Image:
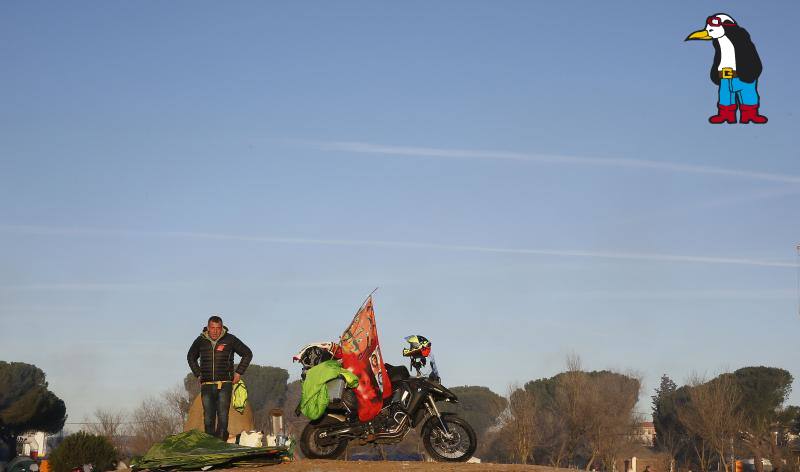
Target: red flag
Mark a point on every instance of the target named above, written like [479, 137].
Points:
[361, 355]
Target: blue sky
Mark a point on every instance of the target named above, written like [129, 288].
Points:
[523, 180]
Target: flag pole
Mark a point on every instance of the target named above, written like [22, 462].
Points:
[365, 300]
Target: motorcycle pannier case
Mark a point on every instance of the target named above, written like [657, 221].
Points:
[335, 389]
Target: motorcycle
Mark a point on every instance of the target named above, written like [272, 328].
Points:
[413, 405]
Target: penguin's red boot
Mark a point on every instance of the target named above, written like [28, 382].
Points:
[750, 113]
[727, 114]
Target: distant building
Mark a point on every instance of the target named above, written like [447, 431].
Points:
[32, 444]
[646, 433]
[794, 446]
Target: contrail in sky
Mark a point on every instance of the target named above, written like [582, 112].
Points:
[409, 151]
[65, 231]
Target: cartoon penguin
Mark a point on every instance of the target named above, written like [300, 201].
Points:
[736, 69]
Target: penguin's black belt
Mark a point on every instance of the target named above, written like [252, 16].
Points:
[727, 73]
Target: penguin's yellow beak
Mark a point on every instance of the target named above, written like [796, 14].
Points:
[701, 34]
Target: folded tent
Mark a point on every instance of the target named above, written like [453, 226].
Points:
[192, 450]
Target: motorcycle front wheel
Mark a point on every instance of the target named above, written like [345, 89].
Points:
[458, 444]
[315, 447]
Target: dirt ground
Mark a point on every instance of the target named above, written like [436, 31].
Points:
[306, 465]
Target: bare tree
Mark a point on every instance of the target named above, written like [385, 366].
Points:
[553, 433]
[610, 422]
[670, 442]
[521, 423]
[153, 420]
[178, 401]
[585, 417]
[574, 418]
[110, 424]
[570, 405]
[702, 451]
[712, 415]
[574, 363]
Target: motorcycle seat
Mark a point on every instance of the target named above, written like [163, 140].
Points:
[397, 373]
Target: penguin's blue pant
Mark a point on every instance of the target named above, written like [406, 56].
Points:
[734, 90]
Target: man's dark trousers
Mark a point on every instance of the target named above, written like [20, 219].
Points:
[216, 404]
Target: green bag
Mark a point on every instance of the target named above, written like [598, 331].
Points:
[314, 399]
[239, 400]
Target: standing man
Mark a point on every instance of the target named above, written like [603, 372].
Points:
[215, 348]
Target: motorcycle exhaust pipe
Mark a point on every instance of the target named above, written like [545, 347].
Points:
[348, 432]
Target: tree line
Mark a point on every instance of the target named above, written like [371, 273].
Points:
[707, 423]
[577, 418]
[574, 419]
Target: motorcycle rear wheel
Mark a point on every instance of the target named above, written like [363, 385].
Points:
[309, 440]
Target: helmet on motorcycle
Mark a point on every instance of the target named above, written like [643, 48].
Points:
[313, 354]
[419, 346]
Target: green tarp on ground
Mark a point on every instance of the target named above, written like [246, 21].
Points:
[195, 449]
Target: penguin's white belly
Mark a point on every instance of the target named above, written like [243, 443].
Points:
[727, 54]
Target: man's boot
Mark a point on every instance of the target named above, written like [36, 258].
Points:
[726, 114]
[750, 113]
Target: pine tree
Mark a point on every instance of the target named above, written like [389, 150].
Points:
[666, 388]
[665, 419]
